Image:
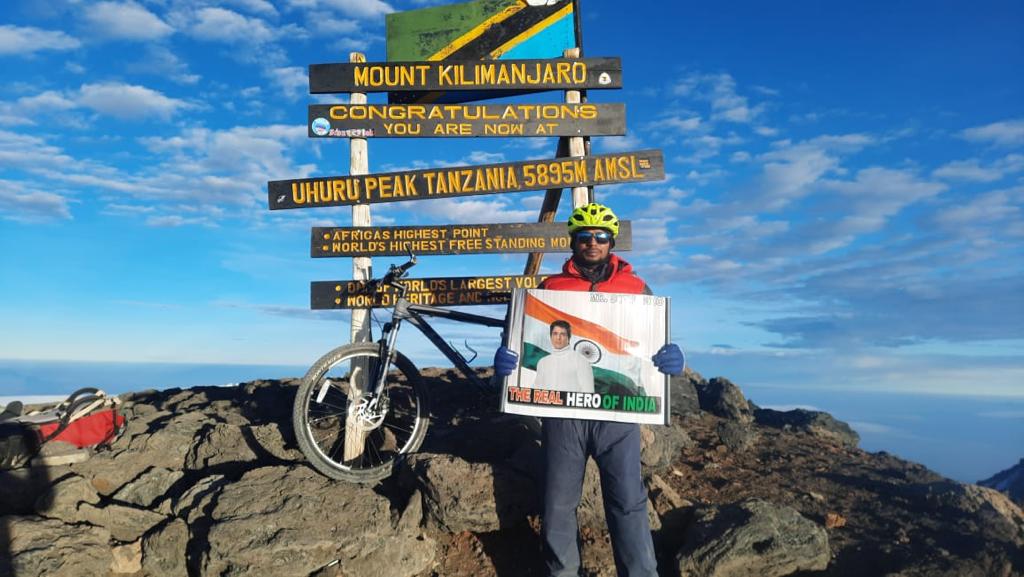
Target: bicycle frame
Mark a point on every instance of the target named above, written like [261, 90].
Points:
[414, 314]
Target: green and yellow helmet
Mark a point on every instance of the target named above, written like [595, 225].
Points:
[594, 215]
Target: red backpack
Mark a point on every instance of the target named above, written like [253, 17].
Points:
[87, 419]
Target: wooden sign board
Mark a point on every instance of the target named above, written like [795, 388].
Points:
[462, 120]
[478, 30]
[617, 168]
[534, 75]
[449, 239]
[446, 291]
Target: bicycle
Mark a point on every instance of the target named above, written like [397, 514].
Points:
[390, 414]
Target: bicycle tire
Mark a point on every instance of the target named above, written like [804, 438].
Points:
[319, 416]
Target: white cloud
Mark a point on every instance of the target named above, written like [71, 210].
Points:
[324, 23]
[25, 40]
[27, 152]
[972, 169]
[220, 25]
[365, 9]
[129, 101]
[160, 61]
[19, 204]
[255, 6]
[125, 21]
[175, 220]
[619, 143]
[292, 80]
[1003, 133]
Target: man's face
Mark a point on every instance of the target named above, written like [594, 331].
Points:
[587, 248]
[559, 338]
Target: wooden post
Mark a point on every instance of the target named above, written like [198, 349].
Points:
[567, 146]
[362, 269]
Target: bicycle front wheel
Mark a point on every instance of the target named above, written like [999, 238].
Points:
[351, 436]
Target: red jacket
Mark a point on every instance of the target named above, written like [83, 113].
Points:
[621, 280]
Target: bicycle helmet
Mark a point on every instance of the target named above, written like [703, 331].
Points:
[594, 215]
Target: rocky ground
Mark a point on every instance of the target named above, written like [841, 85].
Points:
[209, 481]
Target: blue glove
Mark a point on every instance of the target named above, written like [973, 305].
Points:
[670, 359]
[505, 361]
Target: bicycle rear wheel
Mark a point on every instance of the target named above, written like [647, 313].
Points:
[326, 399]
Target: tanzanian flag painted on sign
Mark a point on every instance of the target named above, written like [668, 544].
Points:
[479, 30]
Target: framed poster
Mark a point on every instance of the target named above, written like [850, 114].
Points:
[587, 355]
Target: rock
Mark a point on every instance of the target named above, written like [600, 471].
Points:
[164, 448]
[683, 388]
[220, 444]
[736, 435]
[291, 520]
[463, 496]
[270, 439]
[1002, 518]
[661, 445]
[1009, 481]
[752, 538]
[816, 423]
[21, 488]
[37, 546]
[126, 524]
[721, 397]
[164, 549]
[149, 487]
[834, 520]
[127, 558]
[61, 501]
[191, 504]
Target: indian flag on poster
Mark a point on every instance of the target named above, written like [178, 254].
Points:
[587, 355]
[616, 369]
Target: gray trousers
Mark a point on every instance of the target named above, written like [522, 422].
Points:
[616, 449]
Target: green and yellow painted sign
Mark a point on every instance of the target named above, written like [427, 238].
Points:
[616, 168]
[446, 291]
[448, 239]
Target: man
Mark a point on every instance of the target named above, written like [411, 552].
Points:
[614, 446]
[564, 369]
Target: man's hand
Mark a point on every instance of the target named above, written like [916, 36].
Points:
[669, 359]
[505, 361]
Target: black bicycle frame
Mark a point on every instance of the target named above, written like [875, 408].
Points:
[406, 311]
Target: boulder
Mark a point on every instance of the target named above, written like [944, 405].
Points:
[62, 499]
[149, 487]
[463, 496]
[294, 521]
[1009, 481]
[165, 448]
[38, 546]
[685, 401]
[737, 435]
[754, 538]
[721, 397]
[661, 445]
[164, 549]
[126, 524]
[220, 444]
[817, 423]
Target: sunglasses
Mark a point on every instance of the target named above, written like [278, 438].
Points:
[585, 237]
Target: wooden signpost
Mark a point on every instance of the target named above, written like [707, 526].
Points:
[615, 168]
[446, 291]
[344, 241]
[455, 54]
[464, 120]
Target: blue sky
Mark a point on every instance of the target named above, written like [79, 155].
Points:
[843, 208]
